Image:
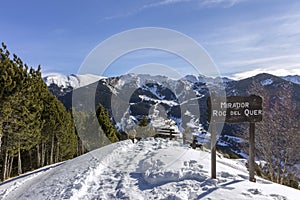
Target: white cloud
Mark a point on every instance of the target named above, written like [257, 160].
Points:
[203, 3]
[164, 3]
[224, 3]
[276, 72]
[269, 43]
[144, 7]
[265, 60]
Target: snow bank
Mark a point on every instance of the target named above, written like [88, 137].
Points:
[149, 169]
[157, 175]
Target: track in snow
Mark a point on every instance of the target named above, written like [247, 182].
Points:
[149, 169]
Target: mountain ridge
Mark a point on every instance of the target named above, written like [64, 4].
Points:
[183, 102]
[144, 89]
[76, 81]
[154, 96]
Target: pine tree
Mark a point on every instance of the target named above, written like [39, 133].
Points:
[104, 121]
[20, 124]
[66, 138]
[58, 140]
[33, 123]
[143, 121]
[9, 82]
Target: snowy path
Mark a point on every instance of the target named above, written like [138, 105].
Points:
[150, 169]
[121, 175]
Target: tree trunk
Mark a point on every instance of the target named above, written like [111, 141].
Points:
[30, 159]
[43, 155]
[278, 173]
[38, 156]
[52, 150]
[284, 169]
[77, 148]
[19, 162]
[271, 172]
[5, 166]
[80, 147]
[11, 160]
[57, 153]
[0, 139]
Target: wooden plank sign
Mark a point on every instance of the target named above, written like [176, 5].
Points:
[235, 109]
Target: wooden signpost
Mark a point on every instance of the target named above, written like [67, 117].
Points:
[235, 109]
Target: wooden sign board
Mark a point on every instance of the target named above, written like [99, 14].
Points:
[235, 109]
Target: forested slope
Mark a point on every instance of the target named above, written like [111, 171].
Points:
[35, 128]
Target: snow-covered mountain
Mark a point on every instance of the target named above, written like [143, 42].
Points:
[201, 78]
[73, 81]
[76, 81]
[148, 169]
[130, 97]
[292, 78]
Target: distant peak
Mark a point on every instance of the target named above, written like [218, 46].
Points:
[292, 78]
[73, 80]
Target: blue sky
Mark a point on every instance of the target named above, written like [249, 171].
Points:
[243, 37]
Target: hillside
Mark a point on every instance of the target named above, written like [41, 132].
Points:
[182, 101]
[149, 169]
[139, 90]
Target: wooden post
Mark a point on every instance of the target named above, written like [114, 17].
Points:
[213, 151]
[251, 161]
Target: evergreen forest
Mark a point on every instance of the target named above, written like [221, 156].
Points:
[35, 128]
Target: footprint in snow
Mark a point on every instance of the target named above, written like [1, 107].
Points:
[226, 175]
[255, 191]
[278, 197]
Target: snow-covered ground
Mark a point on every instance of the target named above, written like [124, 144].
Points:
[149, 169]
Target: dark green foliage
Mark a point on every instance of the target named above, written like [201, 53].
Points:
[123, 135]
[35, 128]
[108, 128]
[294, 184]
[143, 121]
[96, 131]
